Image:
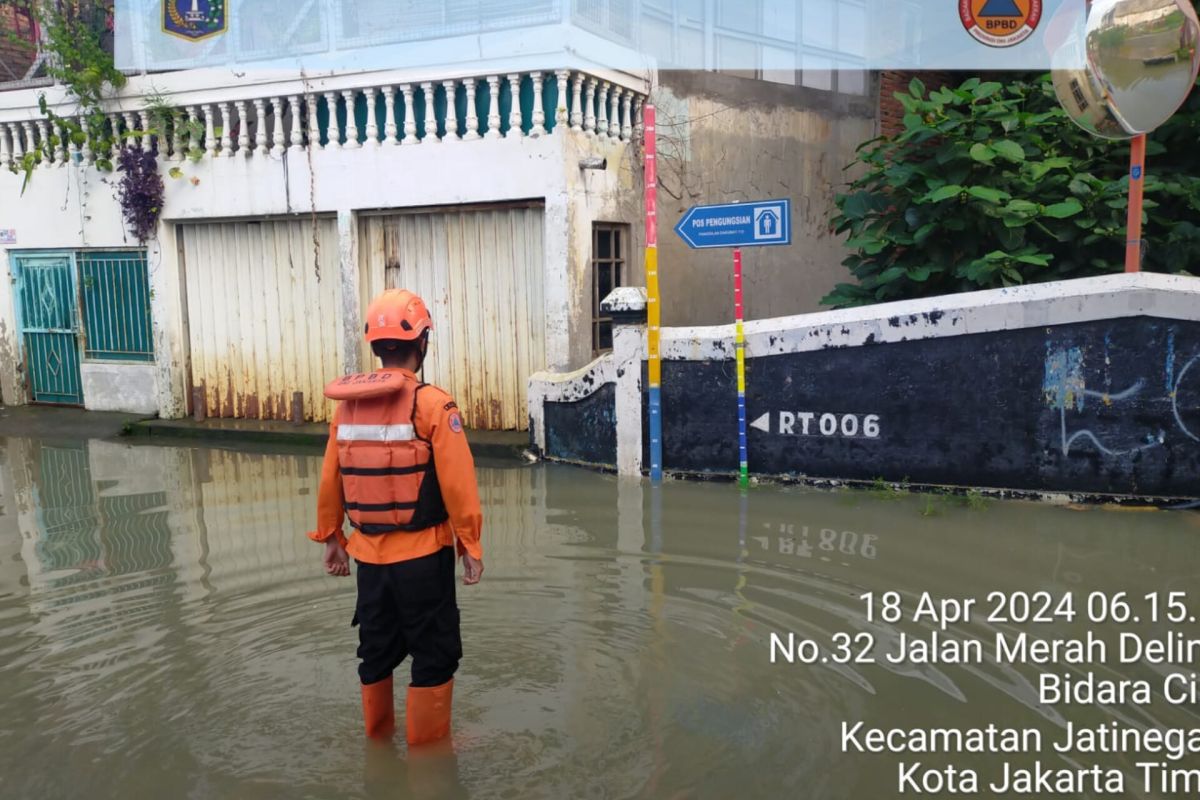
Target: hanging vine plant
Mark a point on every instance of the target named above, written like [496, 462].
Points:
[141, 191]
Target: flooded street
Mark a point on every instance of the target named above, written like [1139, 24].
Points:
[166, 630]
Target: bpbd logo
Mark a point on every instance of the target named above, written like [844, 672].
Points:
[194, 19]
[1000, 23]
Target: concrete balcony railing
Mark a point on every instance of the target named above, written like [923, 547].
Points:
[218, 114]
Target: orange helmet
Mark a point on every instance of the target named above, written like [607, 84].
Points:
[397, 314]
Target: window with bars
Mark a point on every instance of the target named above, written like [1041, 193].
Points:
[610, 244]
[115, 292]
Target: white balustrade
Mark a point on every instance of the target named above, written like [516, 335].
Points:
[626, 119]
[277, 123]
[537, 122]
[314, 121]
[226, 150]
[210, 132]
[333, 128]
[60, 147]
[560, 104]
[243, 138]
[430, 113]
[43, 144]
[589, 108]
[515, 121]
[274, 124]
[297, 136]
[389, 110]
[614, 115]
[576, 102]
[372, 122]
[472, 114]
[352, 142]
[410, 116]
[145, 137]
[493, 118]
[451, 88]
[73, 154]
[85, 152]
[602, 106]
[18, 147]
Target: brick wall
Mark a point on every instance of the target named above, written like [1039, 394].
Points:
[16, 44]
[891, 113]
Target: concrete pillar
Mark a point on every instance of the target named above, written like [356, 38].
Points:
[627, 306]
[348, 290]
[12, 386]
[557, 282]
[169, 331]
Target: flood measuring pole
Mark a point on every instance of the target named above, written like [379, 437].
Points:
[1137, 187]
[653, 306]
[739, 345]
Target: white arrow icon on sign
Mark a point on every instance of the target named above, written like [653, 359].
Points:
[763, 423]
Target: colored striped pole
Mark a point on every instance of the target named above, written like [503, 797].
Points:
[1137, 185]
[739, 343]
[653, 306]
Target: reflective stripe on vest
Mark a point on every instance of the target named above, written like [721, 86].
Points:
[376, 433]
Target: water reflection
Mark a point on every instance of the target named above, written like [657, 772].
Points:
[166, 630]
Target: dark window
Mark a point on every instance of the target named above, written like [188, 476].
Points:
[610, 251]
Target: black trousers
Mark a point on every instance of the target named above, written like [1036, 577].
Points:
[408, 609]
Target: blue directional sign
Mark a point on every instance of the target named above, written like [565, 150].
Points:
[763, 222]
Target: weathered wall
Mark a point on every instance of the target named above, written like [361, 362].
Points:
[119, 387]
[1089, 387]
[725, 139]
[614, 194]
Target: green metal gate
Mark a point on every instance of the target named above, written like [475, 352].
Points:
[50, 327]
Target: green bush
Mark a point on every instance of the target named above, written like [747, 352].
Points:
[990, 184]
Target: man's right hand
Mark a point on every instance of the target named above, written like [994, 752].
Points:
[336, 560]
[472, 569]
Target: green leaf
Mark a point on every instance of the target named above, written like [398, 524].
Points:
[175, 172]
[919, 274]
[916, 88]
[938, 195]
[1010, 150]
[981, 152]
[1067, 208]
[986, 90]
[1037, 260]
[988, 194]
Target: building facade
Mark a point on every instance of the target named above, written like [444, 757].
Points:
[507, 191]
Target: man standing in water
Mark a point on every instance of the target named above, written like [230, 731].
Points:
[398, 465]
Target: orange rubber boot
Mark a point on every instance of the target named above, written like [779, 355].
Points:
[428, 714]
[379, 712]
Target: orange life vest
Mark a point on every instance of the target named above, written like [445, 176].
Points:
[388, 478]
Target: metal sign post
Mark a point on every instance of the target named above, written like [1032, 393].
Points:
[1137, 186]
[737, 225]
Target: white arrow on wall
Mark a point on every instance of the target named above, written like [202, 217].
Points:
[763, 423]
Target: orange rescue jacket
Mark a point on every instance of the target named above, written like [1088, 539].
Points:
[398, 465]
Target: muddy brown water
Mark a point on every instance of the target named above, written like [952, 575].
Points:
[166, 631]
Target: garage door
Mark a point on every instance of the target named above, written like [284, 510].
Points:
[480, 271]
[263, 315]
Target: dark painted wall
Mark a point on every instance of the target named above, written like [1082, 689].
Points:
[584, 430]
[1105, 407]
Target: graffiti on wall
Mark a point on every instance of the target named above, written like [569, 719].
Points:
[1065, 389]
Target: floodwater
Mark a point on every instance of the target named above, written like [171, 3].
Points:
[167, 631]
